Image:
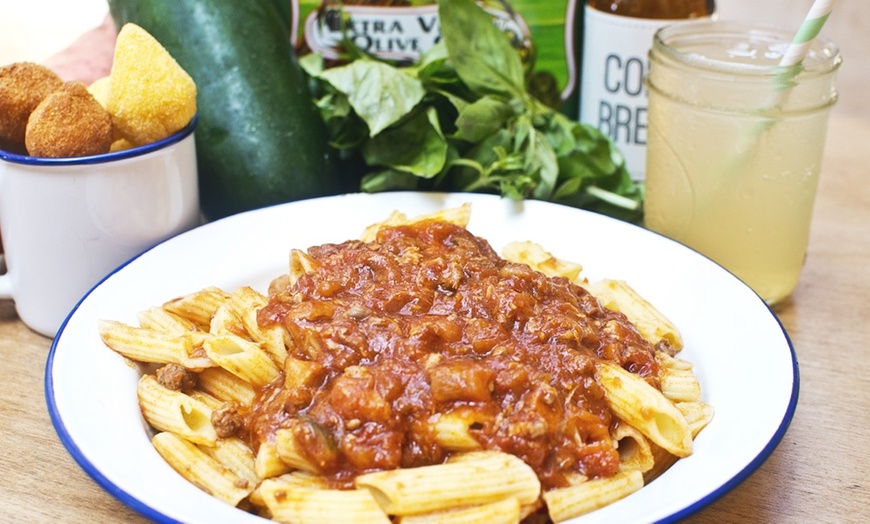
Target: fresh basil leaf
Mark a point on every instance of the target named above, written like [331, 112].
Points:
[567, 188]
[417, 146]
[481, 53]
[590, 198]
[522, 128]
[537, 174]
[348, 133]
[595, 146]
[462, 120]
[542, 162]
[472, 172]
[558, 130]
[334, 105]
[614, 194]
[482, 118]
[312, 64]
[441, 77]
[433, 62]
[379, 93]
[459, 104]
[516, 188]
[346, 130]
[575, 166]
[388, 180]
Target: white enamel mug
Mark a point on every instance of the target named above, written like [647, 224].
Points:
[68, 222]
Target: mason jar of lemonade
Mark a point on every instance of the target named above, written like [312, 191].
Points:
[735, 146]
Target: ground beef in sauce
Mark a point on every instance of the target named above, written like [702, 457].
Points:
[227, 420]
[428, 320]
[175, 377]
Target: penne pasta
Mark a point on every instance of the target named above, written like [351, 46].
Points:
[678, 380]
[198, 307]
[302, 479]
[698, 415]
[637, 403]
[175, 412]
[291, 452]
[537, 258]
[396, 218]
[236, 456]
[650, 322]
[267, 463]
[452, 431]
[159, 319]
[213, 403]
[634, 449]
[292, 480]
[244, 304]
[460, 216]
[148, 345]
[479, 479]
[505, 511]
[565, 503]
[201, 469]
[242, 358]
[224, 322]
[295, 503]
[680, 385]
[300, 264]
[668, 362]
[226, 386]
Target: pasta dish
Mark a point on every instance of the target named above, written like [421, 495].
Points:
[414, 375]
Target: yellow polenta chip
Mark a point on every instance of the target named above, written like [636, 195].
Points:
[151, 96]
[99, 89]
[120, 145]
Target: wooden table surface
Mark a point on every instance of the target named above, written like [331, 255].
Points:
[818, 473]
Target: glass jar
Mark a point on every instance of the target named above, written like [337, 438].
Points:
[735, 146]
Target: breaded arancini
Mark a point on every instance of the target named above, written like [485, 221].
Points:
[69, 122]
[23, 85]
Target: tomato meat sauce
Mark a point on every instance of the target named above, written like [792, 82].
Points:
[428, 322]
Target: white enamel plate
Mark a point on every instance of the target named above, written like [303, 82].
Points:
[743, 357]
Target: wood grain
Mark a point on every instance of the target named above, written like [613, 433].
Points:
[819, 472]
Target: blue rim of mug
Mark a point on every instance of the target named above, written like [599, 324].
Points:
[106, 157]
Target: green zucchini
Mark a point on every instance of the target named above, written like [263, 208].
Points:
[260, 139]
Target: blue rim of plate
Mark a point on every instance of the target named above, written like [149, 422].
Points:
[155, 515]
[69, 443]
[104, 158]
[765, 453]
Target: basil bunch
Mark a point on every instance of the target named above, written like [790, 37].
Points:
[462, 119]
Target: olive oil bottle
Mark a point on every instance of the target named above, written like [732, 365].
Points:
[547, 34]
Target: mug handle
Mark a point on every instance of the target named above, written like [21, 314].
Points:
[5, 280]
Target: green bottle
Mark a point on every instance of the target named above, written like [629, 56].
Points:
[547, 32]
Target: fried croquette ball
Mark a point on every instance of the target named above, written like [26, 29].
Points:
[151, 96]
[67, 123]
[23, 85]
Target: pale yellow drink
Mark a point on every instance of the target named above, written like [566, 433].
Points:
[733, 159]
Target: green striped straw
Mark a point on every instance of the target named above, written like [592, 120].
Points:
[808, 31]
[789, 65]
[799, 47]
